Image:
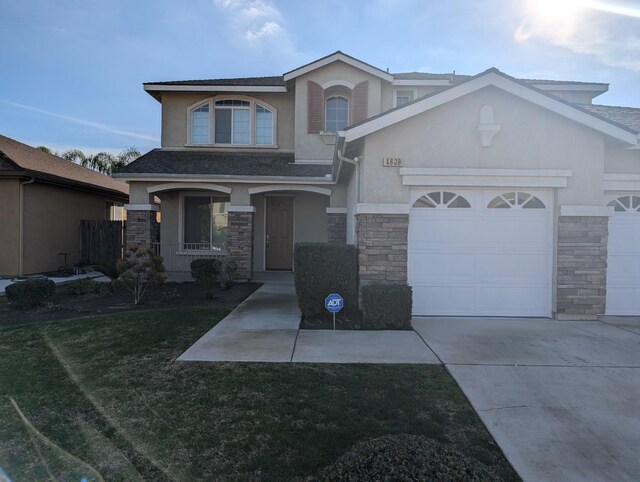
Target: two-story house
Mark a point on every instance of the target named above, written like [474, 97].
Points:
[489, 195]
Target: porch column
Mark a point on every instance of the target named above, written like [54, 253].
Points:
[582, 262]
[142, 227]
[240, 239]
[337, 225]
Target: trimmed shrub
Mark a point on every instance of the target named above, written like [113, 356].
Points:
[387, 306]
[322, 269]
[87, 286]
[206, 272]
[405, 457]
[31, 292]
[227, 271]
[140, 269]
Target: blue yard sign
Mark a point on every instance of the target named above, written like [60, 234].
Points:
[334, 303]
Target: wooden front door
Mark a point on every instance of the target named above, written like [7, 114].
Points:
[279, 233]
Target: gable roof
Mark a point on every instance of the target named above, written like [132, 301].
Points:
[626, 116]
[493, 77]
[275, 80]
[334, 57]
[19, 158]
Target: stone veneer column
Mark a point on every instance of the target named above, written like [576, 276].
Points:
[240, 241]
[582, 266]
[142, 227]
[382, 248]
[337, 228]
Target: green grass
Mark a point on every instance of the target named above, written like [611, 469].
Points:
[106, 391]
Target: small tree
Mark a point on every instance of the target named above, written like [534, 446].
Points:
[140, 269]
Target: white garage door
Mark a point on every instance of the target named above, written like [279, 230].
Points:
[480, 252]
[623, 263]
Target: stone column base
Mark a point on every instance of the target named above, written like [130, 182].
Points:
[582, 267]
[142, 228]
[240, 243]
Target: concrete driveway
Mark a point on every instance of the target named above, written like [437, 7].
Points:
[561, 398]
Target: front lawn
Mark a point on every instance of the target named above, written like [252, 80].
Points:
[107, 394]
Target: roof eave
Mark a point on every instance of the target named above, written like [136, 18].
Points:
[150, 177]
[342, 57]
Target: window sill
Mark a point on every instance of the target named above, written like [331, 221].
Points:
[191, 252]
[329, 138]
[235, 146]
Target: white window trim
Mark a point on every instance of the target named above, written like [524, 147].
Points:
[211, 101]
[181, 219]
[395, 95]
[334, 96]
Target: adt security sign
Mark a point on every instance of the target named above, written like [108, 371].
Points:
[334, 302]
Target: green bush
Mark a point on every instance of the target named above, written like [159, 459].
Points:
[86, 286]
[322, 269]
[31, 292]
[405, 457]
[140, 269]
[387, 306]
[206, 273]
[227, 271]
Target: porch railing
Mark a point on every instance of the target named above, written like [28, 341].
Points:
[178, 256]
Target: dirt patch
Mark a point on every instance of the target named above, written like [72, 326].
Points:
[169, 295]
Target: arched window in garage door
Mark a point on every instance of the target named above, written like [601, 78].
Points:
[441, 199]
[626, 204]
[516, 199]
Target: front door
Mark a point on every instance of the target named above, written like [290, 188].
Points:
[279, 235]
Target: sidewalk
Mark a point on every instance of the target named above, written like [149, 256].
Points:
[265, 328]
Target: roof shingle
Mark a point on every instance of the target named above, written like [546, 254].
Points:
[627, 116]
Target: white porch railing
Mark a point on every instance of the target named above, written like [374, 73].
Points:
[178, 256]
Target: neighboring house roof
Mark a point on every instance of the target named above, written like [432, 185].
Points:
[277, 80]
[627, 116]
[334, 57]
[505, 82]
[17, 157]
[215, 164]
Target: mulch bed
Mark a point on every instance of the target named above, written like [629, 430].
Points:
[169, 295]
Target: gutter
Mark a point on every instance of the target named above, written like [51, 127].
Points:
[150, 177]
[21, 226]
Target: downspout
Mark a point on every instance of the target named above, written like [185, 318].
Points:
[356, 163]
[21, 227]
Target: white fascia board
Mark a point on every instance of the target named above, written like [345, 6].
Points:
[409, 82]
[142, 207]
[622, 182]
[382, 208]
[342, 58]
[571, 87]
[318, 162]
[484, 177]
[503, 83]
[214, 88]
[134, 177]
[586, 211]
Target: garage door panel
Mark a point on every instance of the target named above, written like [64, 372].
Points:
[623, 264]
[481, 261]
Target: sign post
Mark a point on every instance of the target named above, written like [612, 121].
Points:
[334, 303]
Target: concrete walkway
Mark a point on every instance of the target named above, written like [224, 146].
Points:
[561, 398]
[265, 328]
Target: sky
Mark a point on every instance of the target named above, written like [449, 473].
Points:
[71, 71]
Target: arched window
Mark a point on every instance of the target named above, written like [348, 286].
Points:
[336, 114]
[442, 199]
[516, 200]
[200, 128]
[626, 204]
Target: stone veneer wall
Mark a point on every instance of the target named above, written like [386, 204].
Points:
[337, 226]
[240, 243]
[382, 247]
[142, 228]
[582, 266]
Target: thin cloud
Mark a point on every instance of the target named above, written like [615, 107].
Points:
[95, 125]
[254, 20]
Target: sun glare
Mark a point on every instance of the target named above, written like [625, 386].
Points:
[556, 9]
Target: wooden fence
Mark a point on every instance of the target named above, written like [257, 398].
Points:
[101, 242]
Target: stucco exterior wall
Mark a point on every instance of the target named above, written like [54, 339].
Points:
[175, 115]
[530, 137]
[52, 224]
[622, 161]
[310, 146]
[10, 231]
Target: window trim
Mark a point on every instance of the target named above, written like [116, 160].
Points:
[409, 89]
[326, 100]
[253, 102]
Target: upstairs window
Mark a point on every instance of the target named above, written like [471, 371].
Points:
[403, 97]
[232, 121]
[200, 125]
[336, 114]
[264, 126]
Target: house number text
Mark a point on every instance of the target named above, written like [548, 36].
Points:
[392, 162]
